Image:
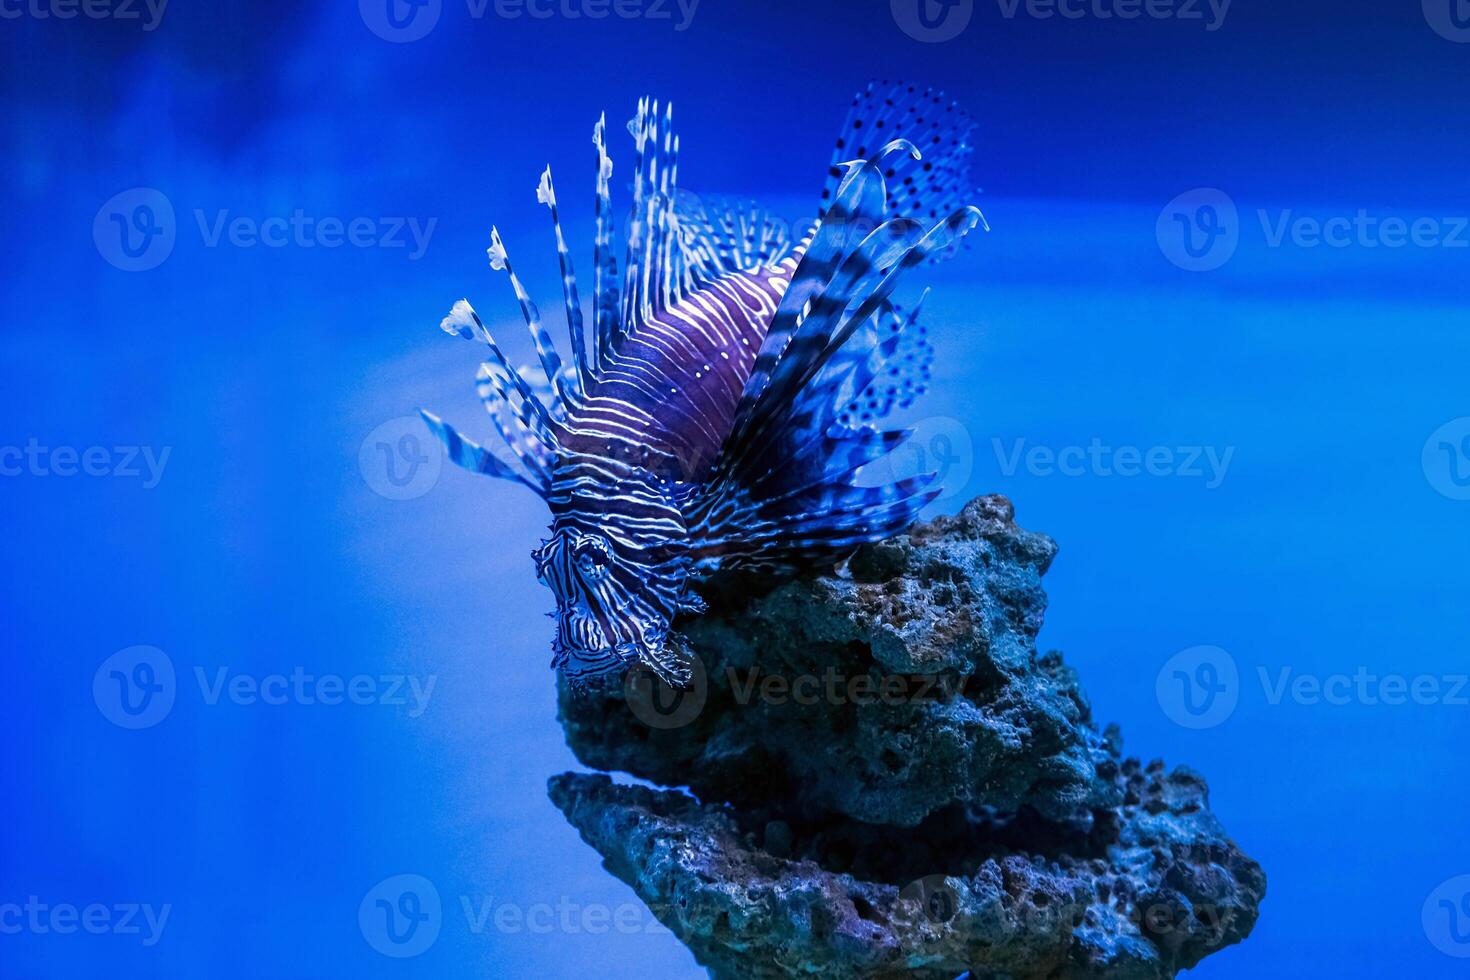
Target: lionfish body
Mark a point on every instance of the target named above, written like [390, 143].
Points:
[720, 410]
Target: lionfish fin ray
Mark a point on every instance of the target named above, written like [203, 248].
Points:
[469, 455]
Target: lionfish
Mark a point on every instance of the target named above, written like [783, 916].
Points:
[722, 411]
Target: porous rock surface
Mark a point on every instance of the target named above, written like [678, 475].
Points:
[885, 779]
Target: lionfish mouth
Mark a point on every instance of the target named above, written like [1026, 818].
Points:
[584, 646]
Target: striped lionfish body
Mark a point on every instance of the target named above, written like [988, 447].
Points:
[722, 407]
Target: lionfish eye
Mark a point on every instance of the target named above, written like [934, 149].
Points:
[593, 555]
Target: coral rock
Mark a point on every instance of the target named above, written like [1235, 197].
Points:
[889, 781]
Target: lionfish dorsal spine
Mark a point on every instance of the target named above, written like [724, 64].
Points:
[576, 330]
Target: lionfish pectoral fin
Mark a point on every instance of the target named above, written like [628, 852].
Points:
[693, 603]
[469, 455]
[942, 131]
[840, 354]
[672, 663]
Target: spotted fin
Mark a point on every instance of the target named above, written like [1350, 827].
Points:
[788, 488]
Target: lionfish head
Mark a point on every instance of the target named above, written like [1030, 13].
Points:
[614, 604]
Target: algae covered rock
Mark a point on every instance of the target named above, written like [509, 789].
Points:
[885, 779]
[905, 683]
